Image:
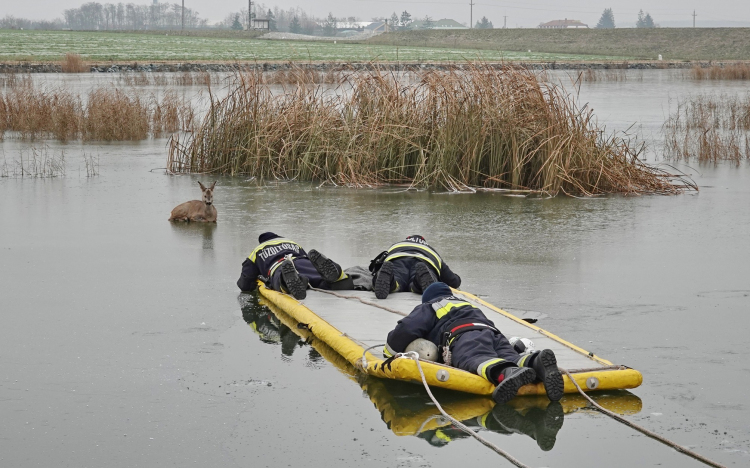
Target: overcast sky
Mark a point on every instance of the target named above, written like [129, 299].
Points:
[528, 13]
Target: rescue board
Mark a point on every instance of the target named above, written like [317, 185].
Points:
[350, 327]
[408, 411]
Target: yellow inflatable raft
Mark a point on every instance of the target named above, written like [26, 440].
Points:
[349, 327]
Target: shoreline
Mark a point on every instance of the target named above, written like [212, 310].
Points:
[196, 66]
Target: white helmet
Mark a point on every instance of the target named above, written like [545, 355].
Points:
[426, 349]
[522, 345]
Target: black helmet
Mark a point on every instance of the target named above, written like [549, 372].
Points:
[267, 236]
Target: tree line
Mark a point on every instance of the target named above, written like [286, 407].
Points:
[607, 20]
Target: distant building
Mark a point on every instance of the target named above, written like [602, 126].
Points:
[564, 24]
[355, 25]
[376, 27]
[262, 24]
[444, 23]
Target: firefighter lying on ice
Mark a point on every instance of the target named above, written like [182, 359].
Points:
[284, 266]
[411, 265]
[474, 345]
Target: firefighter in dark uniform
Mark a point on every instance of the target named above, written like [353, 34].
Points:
[474, 344]
[285, 266]
[411, 265]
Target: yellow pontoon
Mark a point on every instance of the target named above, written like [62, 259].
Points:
[350, 327]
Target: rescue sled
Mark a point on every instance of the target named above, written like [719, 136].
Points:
[408, 411]
[350, 327]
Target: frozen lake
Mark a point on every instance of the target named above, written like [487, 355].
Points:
[124, 341]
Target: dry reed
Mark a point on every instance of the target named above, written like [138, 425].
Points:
[104, 114]
[479, 127]
[37, 163]
[73, 63]
[301, 76]
[200, 78]
[13, 79]
[608, 74]
[32, 112]
[709, 128]
[91, 165]
[113, 115]
[735, 71]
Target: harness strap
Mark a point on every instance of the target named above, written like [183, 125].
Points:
[463, 328]
[455, 332]
[280, 261]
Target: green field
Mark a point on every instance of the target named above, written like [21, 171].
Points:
[40, 46]
[641, 44]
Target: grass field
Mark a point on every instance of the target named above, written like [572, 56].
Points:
[39, 46]
[671, 43]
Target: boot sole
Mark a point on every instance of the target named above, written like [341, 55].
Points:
[554, 417]
[327, 268]
[382, 286]
[553, 380]
[551, 425]
[423, 275]
[296, 286]
[508, 388]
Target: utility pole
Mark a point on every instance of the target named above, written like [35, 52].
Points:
[183, 14]
[471, 14]
[694, 15]
[249, 14]
[505, 22]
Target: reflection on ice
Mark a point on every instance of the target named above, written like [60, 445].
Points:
[407, 410]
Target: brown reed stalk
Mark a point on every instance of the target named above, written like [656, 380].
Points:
[171, 114]
[73, 63]
[709, 128]
[302, 76]
[732, 71]
[113, 115]
[11, 79]
[477, 127]
[39, 113]
[608, 74]
[108, 114]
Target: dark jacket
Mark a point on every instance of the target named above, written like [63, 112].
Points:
[430, 320]
[264, 260]
[417, 247]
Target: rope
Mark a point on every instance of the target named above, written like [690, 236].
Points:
[363, 362]
[393, 311]
[413, 355]
[643, 430]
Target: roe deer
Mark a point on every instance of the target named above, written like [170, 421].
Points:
[196, 210]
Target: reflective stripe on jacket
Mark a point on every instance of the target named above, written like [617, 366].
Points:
[430, 320]
[264, 257]
[411, 248]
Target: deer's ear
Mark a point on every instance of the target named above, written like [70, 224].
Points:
[202, 187]
[213, 185]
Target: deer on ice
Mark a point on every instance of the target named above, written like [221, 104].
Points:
[196, 210]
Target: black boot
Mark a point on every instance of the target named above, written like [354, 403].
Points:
[506, 420]
[541, 425]
[329, 270]
[295, 284]
[513, 378]
[547, 425]
[423, 276]
[383, 281]
[544, 364]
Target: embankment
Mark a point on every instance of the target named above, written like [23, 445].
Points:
[671, 43]
[56, 67]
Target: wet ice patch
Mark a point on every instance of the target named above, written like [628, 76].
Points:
[252, 383]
